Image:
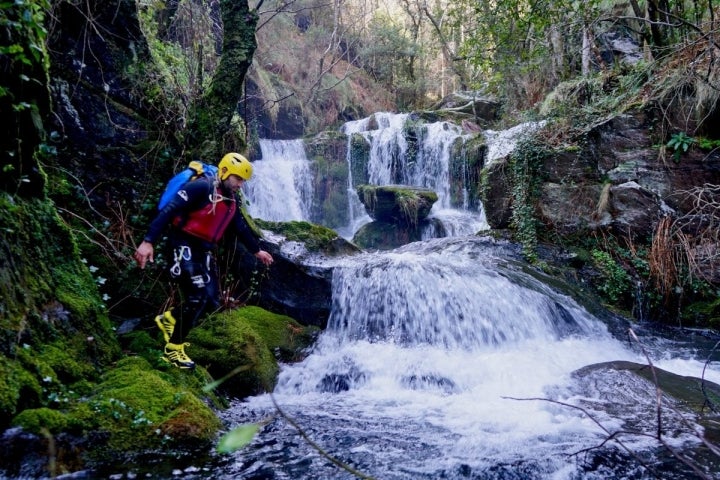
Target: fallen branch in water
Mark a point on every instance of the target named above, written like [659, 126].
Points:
[614, 436]
[317, 447]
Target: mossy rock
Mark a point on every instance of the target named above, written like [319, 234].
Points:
[241, 347]
[36, 420]
[316, 238]
[19, 389]
[284, 336]
[54, 328]
[135, 409]
[466, 162]
[231, 351]
[360, 153]
[400, 204]
[139, 408]
[67, 366]
[381, 235]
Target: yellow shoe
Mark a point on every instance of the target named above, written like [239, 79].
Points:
[166, 324]
[175, 355]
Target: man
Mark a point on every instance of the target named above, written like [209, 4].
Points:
[199, 214]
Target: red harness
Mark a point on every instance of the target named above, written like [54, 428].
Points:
[210, 222]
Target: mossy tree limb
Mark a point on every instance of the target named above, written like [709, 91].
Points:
[215, 129]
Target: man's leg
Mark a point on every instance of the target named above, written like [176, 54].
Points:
[200, 290]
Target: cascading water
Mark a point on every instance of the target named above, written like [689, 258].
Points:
[357, 216]
[390, 163]
[281, 187]
[432, 366]
[444, 358]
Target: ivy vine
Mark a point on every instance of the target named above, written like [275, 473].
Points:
[526, 179]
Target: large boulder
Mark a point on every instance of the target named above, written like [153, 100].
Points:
[398, 204]
[299, 282]
[243, 347]
[618, 179]
[496, 194]
[399, 214]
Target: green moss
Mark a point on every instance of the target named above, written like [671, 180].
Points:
[226, 345]
[19, 389]
[38, 419]
[281, 334]
[315, 237]
[140, 408]
[141, 343]
[67, 366]
[48, 292]
[397, 203]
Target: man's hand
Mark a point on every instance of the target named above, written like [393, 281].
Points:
[264, 257]
[144, 253]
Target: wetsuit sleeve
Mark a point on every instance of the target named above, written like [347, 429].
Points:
[244, 233]
[188, 198]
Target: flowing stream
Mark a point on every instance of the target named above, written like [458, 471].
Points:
[447, 359]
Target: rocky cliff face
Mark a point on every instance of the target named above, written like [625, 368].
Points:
[619, 179]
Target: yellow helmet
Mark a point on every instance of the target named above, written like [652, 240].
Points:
[235, 164]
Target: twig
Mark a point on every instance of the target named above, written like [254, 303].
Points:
[611, 435]
[658, 391]
[317, 447]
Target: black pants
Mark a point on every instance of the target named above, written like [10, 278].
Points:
[195, 272]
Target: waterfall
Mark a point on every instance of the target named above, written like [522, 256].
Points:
[447, 298]
[401, 150]
[391, 162]
[421, 373]
[357, 216]
[281, 188]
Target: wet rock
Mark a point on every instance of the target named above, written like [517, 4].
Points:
[628, 391]
[496, 195]
[299, 282]
[340, 382]
[430, 381]
[399, 204]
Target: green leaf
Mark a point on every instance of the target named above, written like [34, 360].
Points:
[237, 438]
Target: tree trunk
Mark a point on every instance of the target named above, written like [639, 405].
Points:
[448, 54]
[586, 49]
[216, 127]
